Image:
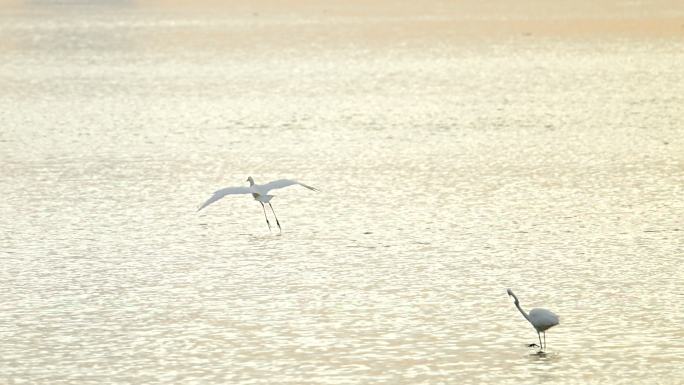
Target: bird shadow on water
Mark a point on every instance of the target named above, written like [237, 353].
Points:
[540, 356]
[543, 366]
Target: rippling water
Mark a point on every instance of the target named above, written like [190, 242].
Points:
[450, 169]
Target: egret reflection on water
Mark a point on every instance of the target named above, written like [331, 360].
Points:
[259, 192]
[541, 320]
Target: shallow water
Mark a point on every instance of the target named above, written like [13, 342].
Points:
[450, 170]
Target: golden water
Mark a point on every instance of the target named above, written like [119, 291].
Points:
[452, 167]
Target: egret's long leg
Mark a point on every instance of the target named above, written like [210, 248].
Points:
[276, 217]
[544, 340]
[541, 347]
[267, 222]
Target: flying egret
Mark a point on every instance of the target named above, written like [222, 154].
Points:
[258, 191]
[541, 320]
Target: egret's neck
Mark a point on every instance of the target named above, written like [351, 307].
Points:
[251, 183]
[517, 304]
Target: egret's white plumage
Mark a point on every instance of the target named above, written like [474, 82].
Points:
[541, 319]
[218, 194]
[259, 193]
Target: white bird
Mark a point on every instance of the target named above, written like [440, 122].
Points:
[541, 320]
[258, 191]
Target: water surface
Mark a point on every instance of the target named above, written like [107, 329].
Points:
[451, 167]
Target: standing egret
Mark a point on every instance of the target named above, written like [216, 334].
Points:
[541, 320]
[258, 191]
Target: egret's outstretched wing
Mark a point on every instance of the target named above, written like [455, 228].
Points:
[280, 183]
[223, 192]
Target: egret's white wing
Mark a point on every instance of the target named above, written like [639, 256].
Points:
[543, 319]
[223, 192]
[280, 183]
